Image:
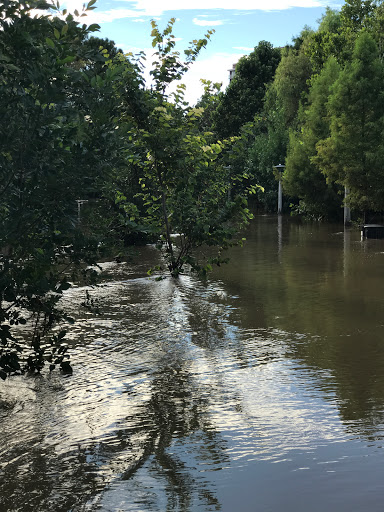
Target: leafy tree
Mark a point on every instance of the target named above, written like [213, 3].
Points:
[270, 130]
[262, 144]
[209, 102]
[291, 83]
[268, 150]
[44, 140]
[377, 27]
[244, 96]
[186, 184]
[338, 31]
[116, 104]
[352, 155]
[357, 14]
[303, 177]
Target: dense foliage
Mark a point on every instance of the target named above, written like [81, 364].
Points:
[42, 133]
[245, 94]
[78, 125]
[316, 106]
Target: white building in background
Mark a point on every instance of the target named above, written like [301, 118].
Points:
[232, 72]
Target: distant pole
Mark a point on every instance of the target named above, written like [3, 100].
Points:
[279, 234]
[280, 199]
[280, 168]
[347, 248]
[78, 201]
[347, 210]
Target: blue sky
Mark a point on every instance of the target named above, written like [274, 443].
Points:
[239, 26]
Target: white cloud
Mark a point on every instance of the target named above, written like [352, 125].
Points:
[72, 5]
[98, 16]
[206, 23]
[153, 8]
[127, 48]
[156, 8]
[214, 68]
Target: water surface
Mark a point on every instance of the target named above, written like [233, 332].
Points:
[261, 389]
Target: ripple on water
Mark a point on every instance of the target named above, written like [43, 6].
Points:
[170, 397]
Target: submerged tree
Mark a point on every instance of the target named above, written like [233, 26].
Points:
[279, 114]
[44, 140]
[187, 186]
[352, 155]
[76, 119]
[303, 177]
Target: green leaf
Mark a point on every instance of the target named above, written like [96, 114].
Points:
[57, 33]
[94, 27]
[49, 42]
[70, 58]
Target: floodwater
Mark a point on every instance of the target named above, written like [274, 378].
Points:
[261, 389]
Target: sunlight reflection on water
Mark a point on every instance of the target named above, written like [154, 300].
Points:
[187, 395]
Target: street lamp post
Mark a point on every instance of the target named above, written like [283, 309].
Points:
[280, 168]
[347, 210]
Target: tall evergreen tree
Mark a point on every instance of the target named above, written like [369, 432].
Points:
[338, 31]
[303, 177]
[353, 154]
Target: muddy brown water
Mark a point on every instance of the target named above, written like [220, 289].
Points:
[261, 389]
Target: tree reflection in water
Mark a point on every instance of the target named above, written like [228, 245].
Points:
[179, 384]
[65, 461]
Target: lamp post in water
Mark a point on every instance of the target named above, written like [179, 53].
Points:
[347, 210]
[280, 168]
